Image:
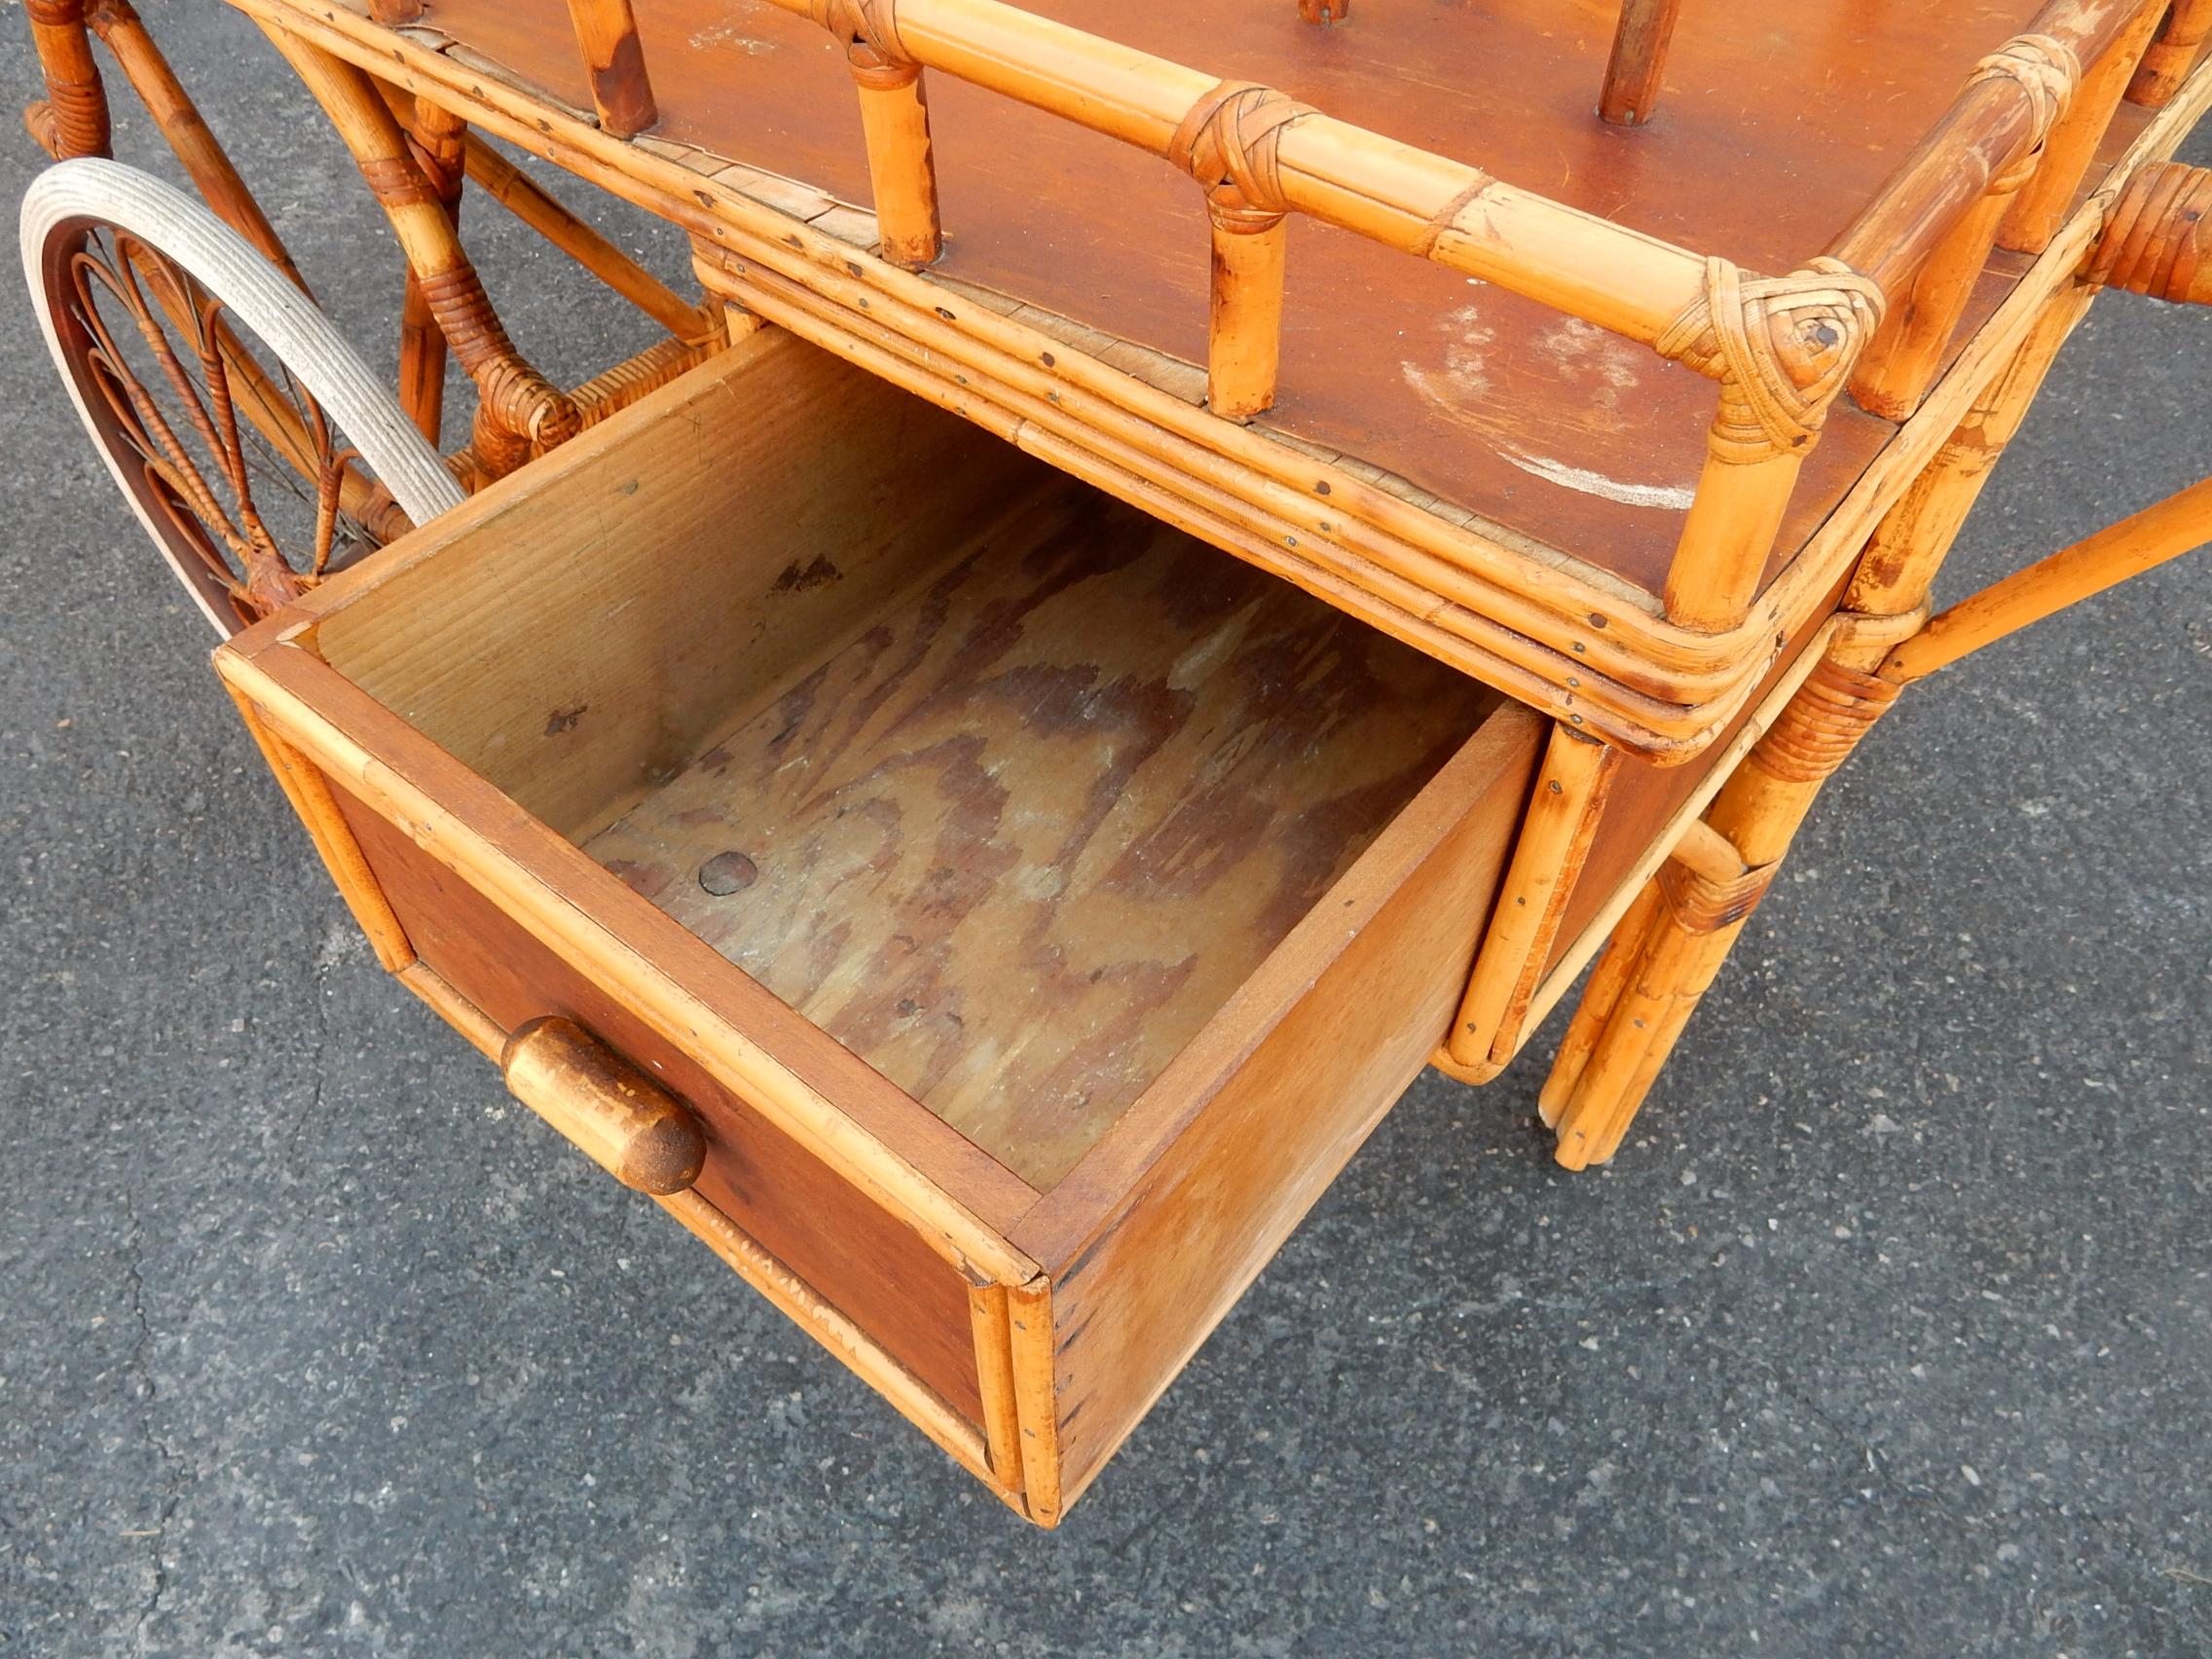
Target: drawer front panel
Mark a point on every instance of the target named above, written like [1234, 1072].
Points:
[862, 1261]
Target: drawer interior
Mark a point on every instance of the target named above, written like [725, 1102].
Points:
[1004, 785]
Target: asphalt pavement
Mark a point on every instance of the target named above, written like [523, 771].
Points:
[1889, 1333]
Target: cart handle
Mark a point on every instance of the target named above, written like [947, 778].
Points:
[2157, 240]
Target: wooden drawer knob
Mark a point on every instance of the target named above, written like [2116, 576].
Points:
[2158, 237]
[628, 1125]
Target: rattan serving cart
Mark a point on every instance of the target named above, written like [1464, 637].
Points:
[978, 768]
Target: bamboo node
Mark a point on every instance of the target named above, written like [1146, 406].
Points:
[1820, 725]
[869, 30]
[1228, 143]
[1781, 346]
[1703, 904]
[1447, 217]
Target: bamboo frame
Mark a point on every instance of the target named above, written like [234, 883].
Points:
[1674, 940]
[502, 182]
[1528, 624]
[518, 411]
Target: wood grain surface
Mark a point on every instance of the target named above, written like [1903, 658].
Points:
[1033, 825]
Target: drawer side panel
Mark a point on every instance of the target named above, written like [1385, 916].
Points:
[1132, 1300]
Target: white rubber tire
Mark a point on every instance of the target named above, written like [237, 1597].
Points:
[71, 197]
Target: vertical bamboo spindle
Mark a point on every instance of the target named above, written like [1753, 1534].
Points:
[2168, 60]
[1639, 55]
[1782, 348]
[73, 119]
[895, 119]
[1895, 372]
[607, 33]
[1227, 142]
[2041, 204]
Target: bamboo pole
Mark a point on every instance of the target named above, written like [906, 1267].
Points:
[895, 121]
[72, 121]
[519, 194]
[607, 34]
[1640, 54]
[2180, 523]
[2168, 60]
[1244, 315]
[187, 134]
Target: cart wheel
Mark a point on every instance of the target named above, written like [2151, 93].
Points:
[256, 448]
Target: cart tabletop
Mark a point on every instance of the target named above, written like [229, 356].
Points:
[1780, 125]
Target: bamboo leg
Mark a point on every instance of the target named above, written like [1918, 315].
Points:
[1696, 906]
[1640, 54]
[895, 119]
[1694, 923]
[1609, 979]
[1660, 961]
[72, 121]
[1556, 833]
[2168, 60]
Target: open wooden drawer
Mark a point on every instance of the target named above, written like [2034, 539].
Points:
[1033, 907]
